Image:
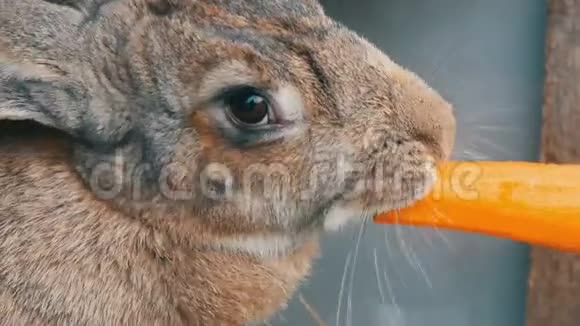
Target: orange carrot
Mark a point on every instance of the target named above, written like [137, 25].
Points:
[527, 202]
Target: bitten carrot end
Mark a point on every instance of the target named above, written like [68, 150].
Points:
[528, 202]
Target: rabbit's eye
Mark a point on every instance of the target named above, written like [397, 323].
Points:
[248, 107]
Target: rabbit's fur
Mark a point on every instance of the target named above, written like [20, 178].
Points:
[127, 197]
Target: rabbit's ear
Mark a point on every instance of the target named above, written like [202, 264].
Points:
[32, 92]
[49, 96]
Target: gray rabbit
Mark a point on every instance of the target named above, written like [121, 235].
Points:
[172, 162]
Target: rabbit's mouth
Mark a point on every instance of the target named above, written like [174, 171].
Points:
[370, 203]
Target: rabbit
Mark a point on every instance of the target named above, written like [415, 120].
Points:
[175, 162]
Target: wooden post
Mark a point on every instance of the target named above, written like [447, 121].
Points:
[554, 280]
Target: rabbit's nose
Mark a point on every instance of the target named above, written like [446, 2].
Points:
[434, 126]
[427, 118]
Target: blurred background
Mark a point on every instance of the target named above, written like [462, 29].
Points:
[487, 58]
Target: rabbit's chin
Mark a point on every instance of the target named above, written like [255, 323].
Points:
[342, 214]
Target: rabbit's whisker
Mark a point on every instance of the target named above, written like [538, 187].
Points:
[377, 273]
[390, 290]
[347, 263]
[352, 273]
